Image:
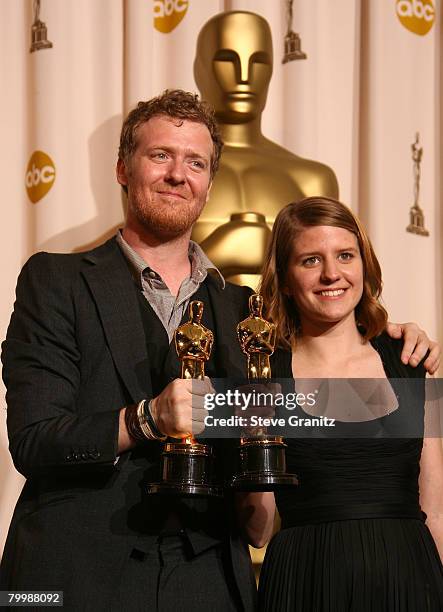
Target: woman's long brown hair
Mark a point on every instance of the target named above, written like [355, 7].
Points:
[280, 308]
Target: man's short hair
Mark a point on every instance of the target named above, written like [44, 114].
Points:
[177, 104]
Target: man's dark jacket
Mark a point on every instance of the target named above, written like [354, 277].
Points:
[75, 354]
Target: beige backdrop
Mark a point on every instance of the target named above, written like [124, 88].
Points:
[371, 81]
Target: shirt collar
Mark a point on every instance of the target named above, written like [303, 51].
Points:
[201, 265]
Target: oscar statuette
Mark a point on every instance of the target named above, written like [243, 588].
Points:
[187, 464]
[262, 456]
[416, 215]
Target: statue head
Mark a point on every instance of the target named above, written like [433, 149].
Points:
[233, 65]
[196, 311]
[256, 305]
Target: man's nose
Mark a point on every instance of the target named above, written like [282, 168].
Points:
[175, 172]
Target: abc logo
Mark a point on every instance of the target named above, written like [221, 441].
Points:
[168, 14]
[40, 176]
[416, 15]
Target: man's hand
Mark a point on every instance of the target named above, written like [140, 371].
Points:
[179, 409]
[416, 345]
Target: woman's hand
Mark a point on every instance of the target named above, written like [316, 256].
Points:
[255, 515]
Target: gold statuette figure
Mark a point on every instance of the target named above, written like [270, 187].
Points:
[187, 467]
[257, 340]
[39, 31]
[193, 342]
[262, 460]
[292, 39]
[416, 216]
[257, 177]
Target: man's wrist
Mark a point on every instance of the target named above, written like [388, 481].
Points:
[140, 423]
[132, 423]
[150, 421]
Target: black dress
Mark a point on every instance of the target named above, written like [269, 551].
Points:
[353, 537]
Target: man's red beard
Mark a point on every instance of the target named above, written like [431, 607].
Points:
[168, 218]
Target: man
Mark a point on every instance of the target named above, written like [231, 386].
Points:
[89, 340]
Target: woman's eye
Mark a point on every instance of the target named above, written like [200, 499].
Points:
[311, 261]
[346, 256]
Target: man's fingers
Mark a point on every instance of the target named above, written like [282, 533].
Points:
[191, 421]
[394, 330]
[173, 409]
[419, 350]
[200, 387]
[197, 427]
[412, 335]
[416, 342]
[198, 402]
[431, 366]
[414, 353]
[432, 362]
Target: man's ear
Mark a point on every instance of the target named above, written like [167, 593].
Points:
[120, 172]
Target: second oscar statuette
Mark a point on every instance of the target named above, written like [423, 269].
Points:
[186, 464]
[262, 456]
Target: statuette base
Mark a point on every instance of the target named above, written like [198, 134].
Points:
[293, 48]
[417, 222]
[262, 465]
[187, 470]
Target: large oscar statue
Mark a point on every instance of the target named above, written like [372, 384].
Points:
[187, 465]
[262, 456]
[257, 177]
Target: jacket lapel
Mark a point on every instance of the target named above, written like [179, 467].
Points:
[112, 287]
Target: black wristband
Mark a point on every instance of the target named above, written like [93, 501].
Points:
[150, 421]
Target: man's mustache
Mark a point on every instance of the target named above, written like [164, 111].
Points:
[167, 189]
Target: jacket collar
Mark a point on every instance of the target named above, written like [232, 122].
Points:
[112, 287]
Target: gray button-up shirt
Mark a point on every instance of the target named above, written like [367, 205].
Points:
[169, 308]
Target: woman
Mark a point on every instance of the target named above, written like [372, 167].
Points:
[354, 536]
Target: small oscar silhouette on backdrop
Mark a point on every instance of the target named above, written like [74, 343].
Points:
[39, 31]
[262, 456]
[293, 50]
[188, 465]
[416, 215]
